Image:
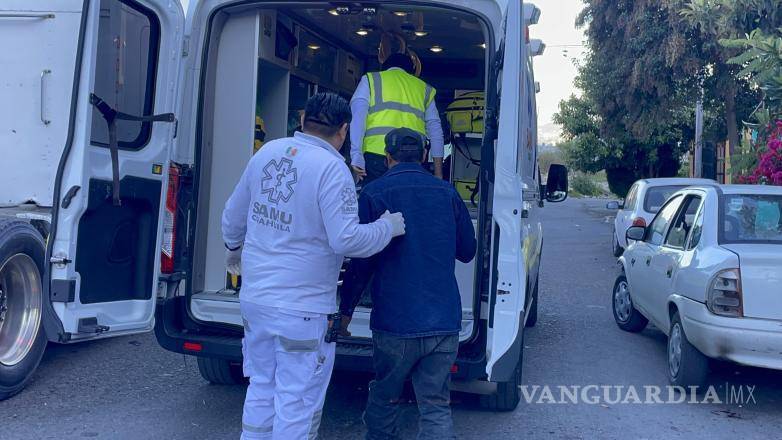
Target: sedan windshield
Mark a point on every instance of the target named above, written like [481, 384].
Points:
[657, 195]
[752, 218]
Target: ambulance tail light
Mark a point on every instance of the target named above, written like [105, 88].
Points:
[192, 346]
[169, 222]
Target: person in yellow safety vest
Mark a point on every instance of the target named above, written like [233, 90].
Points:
[383, 101]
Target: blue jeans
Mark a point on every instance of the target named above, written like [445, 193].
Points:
[428, 361]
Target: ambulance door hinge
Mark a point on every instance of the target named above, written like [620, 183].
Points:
[185, 46]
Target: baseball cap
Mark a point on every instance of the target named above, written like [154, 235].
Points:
[404, 139]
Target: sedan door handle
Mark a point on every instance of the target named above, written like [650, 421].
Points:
[632, 262]
[669, 272]
[648, 261]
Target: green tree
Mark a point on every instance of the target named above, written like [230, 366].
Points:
[715, 22]
[634, 114]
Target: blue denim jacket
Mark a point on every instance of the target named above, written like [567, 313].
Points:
[414, 290]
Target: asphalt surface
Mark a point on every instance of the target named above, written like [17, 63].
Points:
[130, 388]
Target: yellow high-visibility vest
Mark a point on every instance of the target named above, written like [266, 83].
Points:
[396, 99]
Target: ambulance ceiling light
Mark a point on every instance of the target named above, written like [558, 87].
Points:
[436, 49]
[421, 33]
[400, 13]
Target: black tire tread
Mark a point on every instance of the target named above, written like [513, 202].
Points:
[219, 371]
[10, 226]
[694, 370]
[532, 319]
[637, 321]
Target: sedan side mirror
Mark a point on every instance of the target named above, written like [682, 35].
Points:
[613, 205]
[635, 233]
[556, 183]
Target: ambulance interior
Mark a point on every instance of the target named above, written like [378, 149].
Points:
[261, 67]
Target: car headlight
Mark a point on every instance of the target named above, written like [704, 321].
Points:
[724, 297]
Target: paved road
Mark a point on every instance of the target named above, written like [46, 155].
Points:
[129, 388]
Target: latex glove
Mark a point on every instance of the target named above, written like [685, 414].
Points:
[233, 261]
[397, 222]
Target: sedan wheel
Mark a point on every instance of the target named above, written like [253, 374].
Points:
[626, 316]
[675, 350]
[687, 367]
[622, 302]
[618, 251]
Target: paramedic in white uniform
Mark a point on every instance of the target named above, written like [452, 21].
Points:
[287, 226]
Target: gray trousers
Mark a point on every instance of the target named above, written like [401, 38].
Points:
[428, 361]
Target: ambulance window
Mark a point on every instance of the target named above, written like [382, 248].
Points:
[128, 40]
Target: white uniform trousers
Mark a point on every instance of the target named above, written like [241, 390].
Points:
[289, 366]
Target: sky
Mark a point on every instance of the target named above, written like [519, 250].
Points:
[555, 69]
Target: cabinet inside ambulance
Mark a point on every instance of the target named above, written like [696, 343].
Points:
[260, 67]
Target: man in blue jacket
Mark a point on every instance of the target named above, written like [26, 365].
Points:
[416, 312]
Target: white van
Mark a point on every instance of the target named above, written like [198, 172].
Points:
[102, 238]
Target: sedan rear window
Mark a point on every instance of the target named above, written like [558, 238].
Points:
[657, 195]
[752, 218]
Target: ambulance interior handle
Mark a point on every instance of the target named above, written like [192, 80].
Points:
[43, 96]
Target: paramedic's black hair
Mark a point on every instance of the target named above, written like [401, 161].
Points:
[325, 113]
[401, 60]
[405, 145]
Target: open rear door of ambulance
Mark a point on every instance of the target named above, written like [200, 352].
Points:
[104, 248]
[507, 289]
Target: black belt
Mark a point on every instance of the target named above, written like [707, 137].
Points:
[111, 116]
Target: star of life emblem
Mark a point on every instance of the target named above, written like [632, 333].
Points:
[279, 180]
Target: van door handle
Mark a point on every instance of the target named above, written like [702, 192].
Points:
[648, 261]
[43, 96]
[632, 262]
[669, 273]
[44, 15]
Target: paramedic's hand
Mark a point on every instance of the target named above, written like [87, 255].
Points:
[233, 261]
[397, 222]
[358, 173]
[343, 328]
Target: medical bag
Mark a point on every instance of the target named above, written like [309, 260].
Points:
[465, 113]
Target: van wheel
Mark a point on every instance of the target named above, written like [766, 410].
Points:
[532, 319]
[220, 371]
[22, 339]
[686, 365]
[507, 396]
[508, 393]
[626, 316]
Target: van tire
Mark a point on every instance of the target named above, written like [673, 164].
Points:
[21, 242]
[508, 394]
[220, 371]
[532, 318]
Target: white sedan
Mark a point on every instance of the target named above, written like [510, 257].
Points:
[643, 200]
[707, 272]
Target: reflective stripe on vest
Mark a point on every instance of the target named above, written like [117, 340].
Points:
[396, 99]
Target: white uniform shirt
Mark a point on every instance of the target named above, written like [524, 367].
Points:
[295, 211]
[359, 107]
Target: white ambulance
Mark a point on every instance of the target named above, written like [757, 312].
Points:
[124, 127]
